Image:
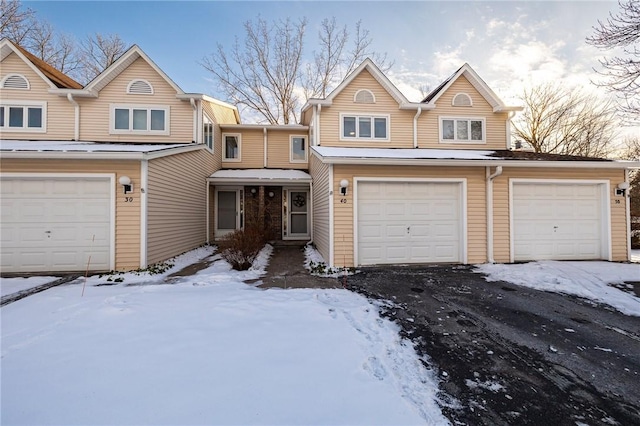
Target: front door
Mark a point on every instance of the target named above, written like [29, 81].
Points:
[228, 211]
[296, 214]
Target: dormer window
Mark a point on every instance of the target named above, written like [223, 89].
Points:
[15, 81]
[140, 87]
[364, 96]
[462, 100]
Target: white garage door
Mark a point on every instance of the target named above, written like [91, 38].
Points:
[409, 222]
[558, 221]
[53, 224]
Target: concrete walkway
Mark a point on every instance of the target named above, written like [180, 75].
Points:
[286, 270]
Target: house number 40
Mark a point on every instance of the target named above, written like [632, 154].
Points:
[343, 200]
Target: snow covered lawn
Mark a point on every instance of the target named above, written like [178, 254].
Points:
[589, 280]
[207, 349]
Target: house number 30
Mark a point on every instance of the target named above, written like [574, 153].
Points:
[128, 199]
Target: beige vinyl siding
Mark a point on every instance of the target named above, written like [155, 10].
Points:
[400, 121]
[60, 112]
[176, 203]
[501, 205]
[219, 115]
[428, 122]
[127, 221]
[95, 113]
[279, 150]
[320, 202]
[476, 204]
[251, 150]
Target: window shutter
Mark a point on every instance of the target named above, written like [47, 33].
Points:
[15, 81]
[140, 87]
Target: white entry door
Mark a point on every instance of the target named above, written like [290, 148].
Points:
[409, 222]
[228, 212]
[296, 214]
[561, 221]
[56, 223]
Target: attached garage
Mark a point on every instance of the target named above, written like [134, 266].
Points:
[410, 221]
[57, 222]
[559, 220]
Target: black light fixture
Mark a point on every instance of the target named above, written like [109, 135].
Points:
[127, 186]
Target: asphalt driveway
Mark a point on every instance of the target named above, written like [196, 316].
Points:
[512, 355]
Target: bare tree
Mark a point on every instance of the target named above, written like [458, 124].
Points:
[333, 60]
[631, 151]
[15, 22]
[98, 52]
[265, 73]
[622, 73]
[564, 121]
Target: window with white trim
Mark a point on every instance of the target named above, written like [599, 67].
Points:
[364, 127]
[298, 149]
[21, 116]
[140, 119]
[207, 131]
[231, 146]
[15, 81]
[462, 130]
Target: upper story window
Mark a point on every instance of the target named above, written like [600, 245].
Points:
[298, 149]
[207, 131]
[462, 130]
[461, 100]
[364, 127]
[15, 81]
[140, 119]
[364, 96]
[23, 116]
[231, 146]
[139, 87]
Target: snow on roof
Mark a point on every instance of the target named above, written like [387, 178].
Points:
[70, 146]
[404, 153]
[260, 175]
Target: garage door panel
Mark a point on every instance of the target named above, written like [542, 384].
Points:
[420, 222]
[55, 223]
[557, 221]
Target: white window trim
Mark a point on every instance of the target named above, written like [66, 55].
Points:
[462, 106]
[24, 104]
[8, 76]
[213, 132]
[355, 96]
[306, 150]
[462, 142]
[135, 81]
[224, 148]
[372, 116]
[131, 107]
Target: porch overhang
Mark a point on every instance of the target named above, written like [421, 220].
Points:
[263, 177]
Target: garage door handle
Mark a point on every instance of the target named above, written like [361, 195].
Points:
[408, 229]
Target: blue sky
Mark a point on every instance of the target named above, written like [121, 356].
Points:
[510, 44]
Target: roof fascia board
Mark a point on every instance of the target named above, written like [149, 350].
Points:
[259, 181]
[293, 127]
[81, 93]
[6, 42]
[101, 155]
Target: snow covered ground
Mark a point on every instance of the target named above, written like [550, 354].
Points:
[589, 280]
[207, 349]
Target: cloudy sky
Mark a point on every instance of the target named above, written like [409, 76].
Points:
[511, 44]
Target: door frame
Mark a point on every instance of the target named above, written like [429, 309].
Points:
[239, 190]
[463, 207]
[605, 210]
[287, 215]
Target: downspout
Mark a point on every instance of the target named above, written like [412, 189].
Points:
[415, 127]
[627, 201]
[144, 214]
[318, 125]
[508, 129]
[490, 178]
[208, 213]
[76, 107]
[331, 213]
[264, 137]
[195, 119]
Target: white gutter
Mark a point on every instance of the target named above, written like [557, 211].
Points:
[264, 137]
[144, 182]
[415, 128]
[76, 126]
[331, 213]
[100, 155]
[489, 178]
[628, 214]
[195, 119]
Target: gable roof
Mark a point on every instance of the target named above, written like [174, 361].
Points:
[121, 64]
[54, 77]
[477, 82]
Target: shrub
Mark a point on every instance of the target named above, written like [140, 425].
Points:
[241, 247]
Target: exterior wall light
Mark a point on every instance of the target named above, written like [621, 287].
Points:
[127, 186]
[344, 184]
[271, 194]
[621, 190]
